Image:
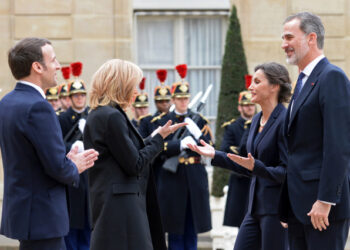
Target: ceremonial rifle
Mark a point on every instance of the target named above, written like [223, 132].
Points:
[171, 163]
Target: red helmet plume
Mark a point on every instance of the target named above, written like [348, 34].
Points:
[162, 74]
[248, 81]
[66, 72]
[76, 68]
[142, 84]
[182, 70]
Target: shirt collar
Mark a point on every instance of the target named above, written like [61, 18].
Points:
[40, 90]
[178, 113]
[310, 67]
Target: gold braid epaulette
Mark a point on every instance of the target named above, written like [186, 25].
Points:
[204, 118]
[228, 123]
[158, 117]
[144, 116]
[247, 123]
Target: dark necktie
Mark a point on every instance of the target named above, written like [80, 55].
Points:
[181, 118]
[298, 86]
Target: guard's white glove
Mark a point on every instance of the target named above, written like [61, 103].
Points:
[187, 140]
[80, 145]
[193, 128]
[81, 125]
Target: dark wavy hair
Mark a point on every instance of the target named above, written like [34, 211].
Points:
[277, 74]
[24, 53]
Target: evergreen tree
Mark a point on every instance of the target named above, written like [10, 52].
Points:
[234, 67]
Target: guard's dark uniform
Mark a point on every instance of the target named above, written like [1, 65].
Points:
[184, 192]
[78, 203]
[141, 101]
[238, 191]
[149, 124]
[187, 187]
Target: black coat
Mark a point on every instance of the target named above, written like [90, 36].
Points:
[147, 126]
[189, 182]
[237, 198]
[77, 198]
[125, 212]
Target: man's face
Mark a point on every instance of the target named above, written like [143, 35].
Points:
[55, 104]
[65, 102]
[141, 111]
[163, 105]
[78, 101]
[247, 111]
[50, 66]
[181, 104]
[295, 42]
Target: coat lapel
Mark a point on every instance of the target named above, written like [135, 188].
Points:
[252, 132]
[269, 123]
[137, 134]
[307, 88]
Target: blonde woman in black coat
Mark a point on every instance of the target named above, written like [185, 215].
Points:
[125, 212]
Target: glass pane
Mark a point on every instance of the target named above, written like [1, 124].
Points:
[203, 41]
[155, 41]
[199, 80]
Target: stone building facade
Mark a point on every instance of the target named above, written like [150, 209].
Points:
[93, 31]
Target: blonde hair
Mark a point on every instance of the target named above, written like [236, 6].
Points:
[114, 81]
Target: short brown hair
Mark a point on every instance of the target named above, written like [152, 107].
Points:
[24, 53]
[114, 82]
[277, 74]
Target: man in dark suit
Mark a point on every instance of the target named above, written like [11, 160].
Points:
[317, 130]
[36, 167]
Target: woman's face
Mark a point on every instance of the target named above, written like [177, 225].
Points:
[261, 89]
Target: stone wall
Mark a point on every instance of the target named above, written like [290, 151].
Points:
[261, 24]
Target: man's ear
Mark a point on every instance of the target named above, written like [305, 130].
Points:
[312, 38]
[37, 67]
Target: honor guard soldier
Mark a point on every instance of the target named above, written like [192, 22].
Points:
[184, 192]
[162, 97]
[52, 98]
[140, 106]
[237, 198]
[72, 124]
[63, 94]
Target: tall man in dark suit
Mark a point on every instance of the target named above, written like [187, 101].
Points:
[317, 130]
[36, 167]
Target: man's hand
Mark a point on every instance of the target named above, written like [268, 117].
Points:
[83, 160]
[246, 162]
[205, 150]
[319, 215]
[284, 225]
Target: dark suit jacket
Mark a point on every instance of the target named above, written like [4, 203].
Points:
[269, 151]
[125, 212]
[317, 132]
[35, 167]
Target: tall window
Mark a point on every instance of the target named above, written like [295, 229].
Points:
[163, 41]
